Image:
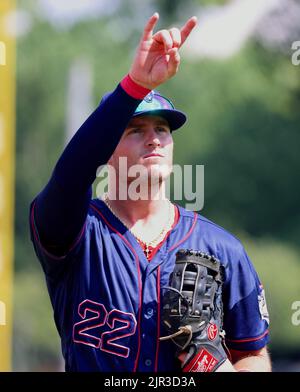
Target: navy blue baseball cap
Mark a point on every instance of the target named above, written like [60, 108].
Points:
[158, 105]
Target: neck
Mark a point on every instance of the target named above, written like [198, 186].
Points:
[152, 229]
[154, 206]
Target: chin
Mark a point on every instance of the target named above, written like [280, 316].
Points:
[159, 173]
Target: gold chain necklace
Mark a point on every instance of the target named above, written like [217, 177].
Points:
[154, 242]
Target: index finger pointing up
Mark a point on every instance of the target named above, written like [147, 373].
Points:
[148, 30]
[187, 28]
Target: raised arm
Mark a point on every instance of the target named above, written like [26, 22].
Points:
[60, 209]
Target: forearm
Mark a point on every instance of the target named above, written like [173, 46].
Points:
[253, 364]
[254, 361]
[94, 142]
[248, 361]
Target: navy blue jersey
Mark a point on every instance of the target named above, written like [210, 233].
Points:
[105, 294]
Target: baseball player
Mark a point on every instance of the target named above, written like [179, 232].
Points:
[106, 260]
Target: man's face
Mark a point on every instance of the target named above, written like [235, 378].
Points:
[146, 141]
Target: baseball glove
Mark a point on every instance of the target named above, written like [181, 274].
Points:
[192, 311]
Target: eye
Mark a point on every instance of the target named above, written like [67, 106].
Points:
[163, 129]
[135, 131]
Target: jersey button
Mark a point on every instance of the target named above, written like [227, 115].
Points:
[148, 362]
[149, 312]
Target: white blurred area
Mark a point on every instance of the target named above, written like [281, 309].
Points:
[68, 12]
[223, 30]
[79, 95]
[17, 23]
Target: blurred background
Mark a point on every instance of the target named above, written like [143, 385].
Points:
[241, 91]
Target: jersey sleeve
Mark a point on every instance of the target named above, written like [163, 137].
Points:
[246, 318]
[53, 265]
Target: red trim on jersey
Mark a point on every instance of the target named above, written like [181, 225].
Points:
[187, 235]
[37, 238]
[139, 282]
[248, 339]
[158, 318]
[133, 89]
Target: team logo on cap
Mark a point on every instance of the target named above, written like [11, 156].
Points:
[149, 98]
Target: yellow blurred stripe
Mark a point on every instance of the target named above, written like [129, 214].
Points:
[7, 168]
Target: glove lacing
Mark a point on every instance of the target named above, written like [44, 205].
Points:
[183, 330]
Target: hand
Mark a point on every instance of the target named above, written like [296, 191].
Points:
[157, 57]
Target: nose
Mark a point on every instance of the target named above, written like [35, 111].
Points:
[152, 138]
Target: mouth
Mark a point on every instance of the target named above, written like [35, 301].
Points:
[153, 154]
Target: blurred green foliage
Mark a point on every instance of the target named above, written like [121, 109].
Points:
[278, 266]
[243, 126]
[171, 9]
[36, 342]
